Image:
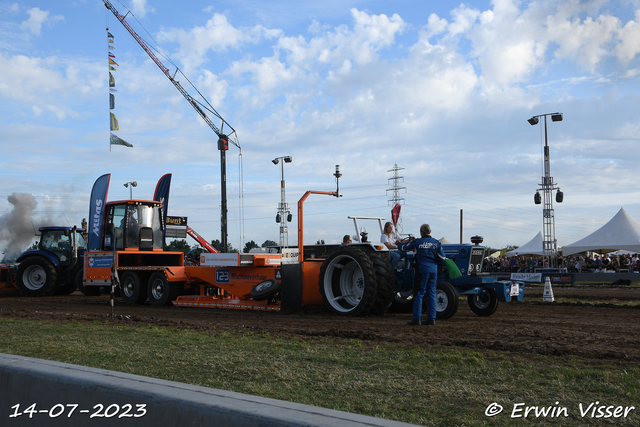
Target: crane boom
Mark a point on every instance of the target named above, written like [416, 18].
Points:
[223, 136]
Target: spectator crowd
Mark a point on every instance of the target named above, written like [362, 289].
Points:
[592, 263]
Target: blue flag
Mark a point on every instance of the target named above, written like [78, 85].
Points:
[162, 195]
[96, 211]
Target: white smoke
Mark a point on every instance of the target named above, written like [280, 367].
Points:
[17, 228]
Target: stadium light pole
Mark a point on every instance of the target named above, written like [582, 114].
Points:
[549, 242]
[284, 215]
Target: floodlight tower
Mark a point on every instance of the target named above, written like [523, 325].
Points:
[284, 215]
[549, 242]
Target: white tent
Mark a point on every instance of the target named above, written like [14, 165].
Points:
[622, 232]
[533, 247]
[444, 241]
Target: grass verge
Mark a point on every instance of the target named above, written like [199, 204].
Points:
[432, 387]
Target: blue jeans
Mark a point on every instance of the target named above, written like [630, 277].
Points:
[428, 287]
[394, 257]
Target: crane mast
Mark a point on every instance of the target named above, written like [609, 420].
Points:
[223, 138]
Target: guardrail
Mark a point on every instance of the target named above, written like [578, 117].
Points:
[35, 392]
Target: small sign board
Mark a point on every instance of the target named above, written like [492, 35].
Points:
[176, 227]
[219, 260]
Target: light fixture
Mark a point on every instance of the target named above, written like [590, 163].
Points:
[537, 199]
[533, 120]
[130, 185]
[556, 117]
[288, 159]
[276, 161]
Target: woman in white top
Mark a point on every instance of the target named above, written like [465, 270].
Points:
[390, 240]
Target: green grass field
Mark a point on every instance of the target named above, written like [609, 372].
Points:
[427, 386]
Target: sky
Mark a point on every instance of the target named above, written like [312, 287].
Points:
[441, 89]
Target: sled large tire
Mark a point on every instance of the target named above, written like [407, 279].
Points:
[348, 282]
[386, 284]
[160, 291]
[447, 300]
[132, 289]
[485, 303]
[36, 277]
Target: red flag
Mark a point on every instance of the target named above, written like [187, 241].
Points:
[395, 214]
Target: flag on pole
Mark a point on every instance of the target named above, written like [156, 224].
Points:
[114, 122]
[115, 140]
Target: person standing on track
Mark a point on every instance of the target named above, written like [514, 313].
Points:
[429, 254]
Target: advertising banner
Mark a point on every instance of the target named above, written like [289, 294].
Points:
[96, 211]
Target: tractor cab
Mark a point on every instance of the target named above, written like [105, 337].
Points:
[61, 241]
[134, 225]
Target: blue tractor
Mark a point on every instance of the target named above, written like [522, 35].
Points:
[55, 266]
[483, 291]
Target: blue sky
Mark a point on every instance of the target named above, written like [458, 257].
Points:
[442, 89]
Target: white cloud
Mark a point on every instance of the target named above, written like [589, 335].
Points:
[43, 84]
[629, 37]
[140, 8]
[37, 18]
[216, 35]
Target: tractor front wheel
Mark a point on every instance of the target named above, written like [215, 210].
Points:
[348, 282]
[36, 277]
[485, 303]
[446, 300]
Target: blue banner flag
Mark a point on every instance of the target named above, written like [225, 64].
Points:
[162, 195]
[97, 211]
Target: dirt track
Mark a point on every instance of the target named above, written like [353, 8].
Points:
[595, 331]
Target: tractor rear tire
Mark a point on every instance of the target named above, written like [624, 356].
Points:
[447, 300]
[484, 304]
[348, 282]
[386, 284]
[132, 291]
[160, 291]
[36, 277]
[70, 288]
[265, 290]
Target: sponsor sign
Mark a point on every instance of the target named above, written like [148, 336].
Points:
[176, 227]
[290, 256]
[527, 277]
[100, 261]
[219, 260]
[96, 211]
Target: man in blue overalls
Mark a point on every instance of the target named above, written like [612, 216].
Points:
[429, 254]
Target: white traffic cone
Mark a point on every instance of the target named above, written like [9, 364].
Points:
[547, 296]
